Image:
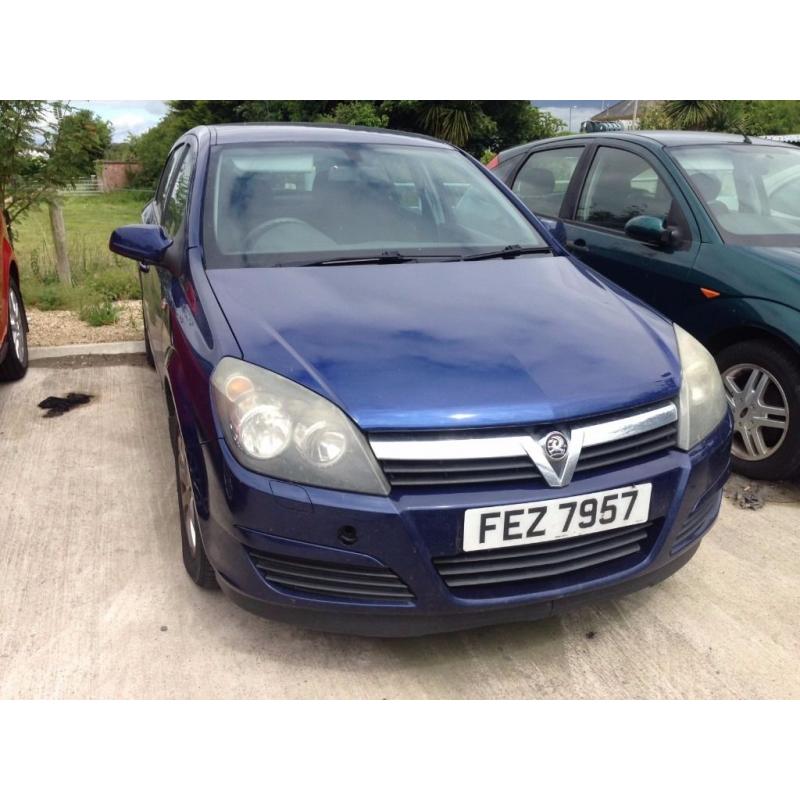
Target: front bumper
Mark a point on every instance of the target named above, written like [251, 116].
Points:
[247, 515]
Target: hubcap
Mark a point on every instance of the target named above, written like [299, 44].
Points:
[760, 411]
[17, 326]
[187, 495]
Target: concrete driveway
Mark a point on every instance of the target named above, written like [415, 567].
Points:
[94, 601]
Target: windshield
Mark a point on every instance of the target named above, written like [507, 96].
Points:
[752, 191]
[281, 204]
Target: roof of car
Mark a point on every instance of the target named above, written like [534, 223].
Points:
[664, 138]
[315, 132]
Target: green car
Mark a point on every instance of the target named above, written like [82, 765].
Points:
[705, 227]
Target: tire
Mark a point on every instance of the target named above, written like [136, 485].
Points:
[762, 381]
[148, 351]
[194, 553]
[15, 363]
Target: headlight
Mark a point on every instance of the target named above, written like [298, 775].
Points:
[278, 428]
[702, 403]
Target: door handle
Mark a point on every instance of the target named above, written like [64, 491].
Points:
[578, 244]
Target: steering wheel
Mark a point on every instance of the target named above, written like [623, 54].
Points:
[266, 227]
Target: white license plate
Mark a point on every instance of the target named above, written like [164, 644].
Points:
[529, 523]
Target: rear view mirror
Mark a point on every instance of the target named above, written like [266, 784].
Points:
[651, 230]
[145, 243]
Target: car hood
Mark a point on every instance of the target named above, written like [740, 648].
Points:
[453, 344]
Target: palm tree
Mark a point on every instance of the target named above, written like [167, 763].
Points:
[694, 115]
[450, 120]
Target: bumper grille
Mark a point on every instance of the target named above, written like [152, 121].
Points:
[698, 522]
[521, 468]
[343, 581]
[540, 567]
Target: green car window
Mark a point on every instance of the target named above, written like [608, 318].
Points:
[544, 178]
[620, 186]
[752, 191]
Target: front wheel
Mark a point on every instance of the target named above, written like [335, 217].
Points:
[762, 383]
[15, 364]
[194, 554]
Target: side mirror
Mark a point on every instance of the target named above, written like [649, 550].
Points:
[651, 230]
[145, 243]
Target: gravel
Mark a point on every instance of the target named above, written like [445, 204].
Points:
[50, 328]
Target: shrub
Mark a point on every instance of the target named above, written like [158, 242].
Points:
[98, 313]
[47, 296]
[115, 283]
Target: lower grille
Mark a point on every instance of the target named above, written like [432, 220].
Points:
[329, 579]
[697, 522]
[540, 567]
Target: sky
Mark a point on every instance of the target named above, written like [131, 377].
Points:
[127, 116]
[136, 116]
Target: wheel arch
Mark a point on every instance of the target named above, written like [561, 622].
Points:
[745, 333]
[180, 410]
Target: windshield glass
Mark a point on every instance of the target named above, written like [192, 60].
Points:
[751, 190]
[274, 204]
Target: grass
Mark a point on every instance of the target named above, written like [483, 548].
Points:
[98, 276]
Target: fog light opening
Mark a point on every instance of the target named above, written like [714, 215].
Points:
[347, 534]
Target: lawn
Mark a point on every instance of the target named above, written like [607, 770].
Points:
[98, 276]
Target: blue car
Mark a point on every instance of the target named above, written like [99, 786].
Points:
[397, 405]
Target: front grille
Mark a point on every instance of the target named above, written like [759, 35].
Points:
[428, 472]
[629, 449]
[330, 579]
[539, 567]
[696, 524]
[463, 471]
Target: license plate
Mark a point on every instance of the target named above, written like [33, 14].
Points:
[565, 517]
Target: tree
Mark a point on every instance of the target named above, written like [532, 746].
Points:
[692, 115]
[475, 125]
[45, 147]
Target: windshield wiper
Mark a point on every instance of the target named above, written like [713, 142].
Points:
[510, 251]
[385, 257]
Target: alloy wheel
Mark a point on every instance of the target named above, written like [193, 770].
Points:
[17, 326]
[760, 411]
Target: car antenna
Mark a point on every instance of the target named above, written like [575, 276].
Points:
[743, 133]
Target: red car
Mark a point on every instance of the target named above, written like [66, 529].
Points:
[13, 322]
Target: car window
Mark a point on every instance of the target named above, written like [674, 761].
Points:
[621, 185]
[167, 174]
[280, 203]
[785, 199]
[544, 178]
[751, 190]
[505, 168]
[178, 197]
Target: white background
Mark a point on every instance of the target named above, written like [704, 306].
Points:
[417, 751]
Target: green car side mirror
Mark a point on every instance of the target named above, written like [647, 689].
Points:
[651, 230]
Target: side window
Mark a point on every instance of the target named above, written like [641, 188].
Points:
[167, 174]
[505, 169]
[544, 178]
[178, 196]
[620, 186]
